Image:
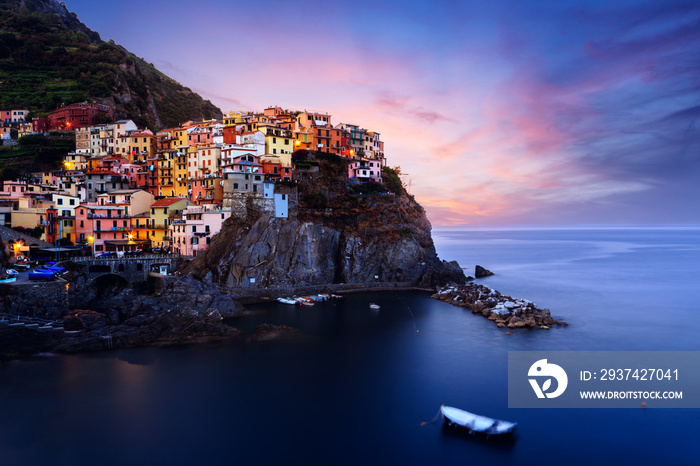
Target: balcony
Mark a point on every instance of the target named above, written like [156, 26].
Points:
[102, 216]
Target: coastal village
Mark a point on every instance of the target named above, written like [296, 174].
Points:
[127, 189]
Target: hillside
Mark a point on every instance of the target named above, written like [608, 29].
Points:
[48, 57]
[34, 153]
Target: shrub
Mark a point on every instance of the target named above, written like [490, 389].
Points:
[368, 188]
[392, 181]
[316, 200]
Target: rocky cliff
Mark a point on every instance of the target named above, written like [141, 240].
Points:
[361, 240]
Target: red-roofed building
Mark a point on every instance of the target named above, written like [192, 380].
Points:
[157, 225]
[78, 115]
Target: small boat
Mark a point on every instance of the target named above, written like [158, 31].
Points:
[7, 278]
[288, 301]
[475, 423]
[55, 268]
[42, 275]
[337, 296]
[374, 306]
[304, 301]
[317, 298]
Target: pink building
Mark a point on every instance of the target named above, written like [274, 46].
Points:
[95, 225]
[363, 170]
[13, 189]
[193, 233]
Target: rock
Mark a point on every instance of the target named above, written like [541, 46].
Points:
[480, 272]
[84, 319]
[265, 332]
[502, 310]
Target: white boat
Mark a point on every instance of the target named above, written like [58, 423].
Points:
[9, 276]
[475, 422]
[288, 301]
[374, 306]
[305, 301]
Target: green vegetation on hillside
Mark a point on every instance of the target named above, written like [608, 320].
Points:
[46, 61]
[34, 153]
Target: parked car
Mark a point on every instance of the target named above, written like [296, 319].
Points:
[107, 254]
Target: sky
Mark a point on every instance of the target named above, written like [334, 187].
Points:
[498, 113]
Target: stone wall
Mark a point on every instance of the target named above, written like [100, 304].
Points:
[45, 299]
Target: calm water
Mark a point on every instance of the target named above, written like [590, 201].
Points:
[355, 385]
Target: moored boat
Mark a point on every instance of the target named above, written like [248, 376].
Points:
[475, 423]
[288, 301]
[374, 306]
[305, 301]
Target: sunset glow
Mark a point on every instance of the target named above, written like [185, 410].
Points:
[500, 113]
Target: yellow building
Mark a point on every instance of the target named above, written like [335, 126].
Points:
[161, 216]
[180, 135]
[304, 140]
[180, 186]
[166, 171]
[142, 146]
[75, 161]
[278, 141]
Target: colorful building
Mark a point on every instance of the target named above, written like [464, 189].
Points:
[80, 114]
[192, 234]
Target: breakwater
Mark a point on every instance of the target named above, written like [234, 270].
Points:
[504, 311]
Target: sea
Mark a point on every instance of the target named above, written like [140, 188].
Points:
[356, 386]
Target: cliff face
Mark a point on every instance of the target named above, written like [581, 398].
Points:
[367, 240]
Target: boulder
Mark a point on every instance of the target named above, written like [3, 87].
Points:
[480, 272]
